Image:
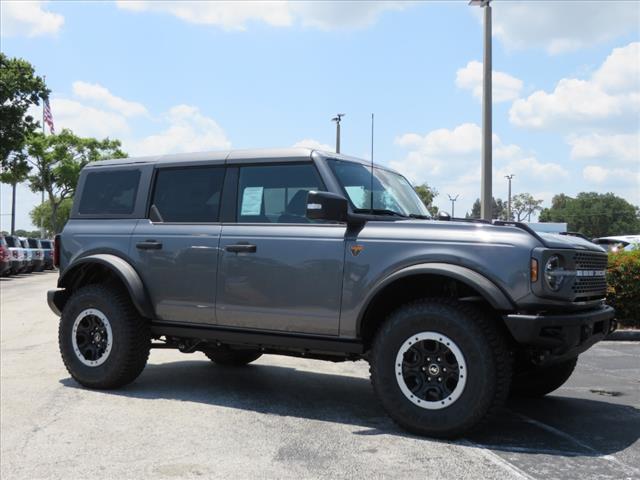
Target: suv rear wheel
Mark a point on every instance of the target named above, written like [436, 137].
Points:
[103, 340]
[539, 381]
[439, 367]
[232, 358]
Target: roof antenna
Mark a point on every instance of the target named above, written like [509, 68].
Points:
[371, 187]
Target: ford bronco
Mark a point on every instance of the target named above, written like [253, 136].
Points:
[299, 252]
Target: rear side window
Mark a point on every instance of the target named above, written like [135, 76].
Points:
[188, 195]
[109, 192]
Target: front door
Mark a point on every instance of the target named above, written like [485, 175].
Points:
[278, 270]
[175, 251]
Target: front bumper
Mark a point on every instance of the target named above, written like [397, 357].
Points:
[566, 334]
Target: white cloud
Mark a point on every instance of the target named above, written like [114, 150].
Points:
[450, 159]
[88, 121]
[621, 147]
[610, 98]
[28, 18]
[562, 26]
[505, 87]
[99, 94]
[596, 174]
[236, 15]
[188, 131]
[314, 144]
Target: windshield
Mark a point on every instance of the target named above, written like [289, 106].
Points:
[392, 193]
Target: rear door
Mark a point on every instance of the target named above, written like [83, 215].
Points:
[175, 249]
[278, 270]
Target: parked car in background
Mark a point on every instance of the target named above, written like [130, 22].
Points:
[619, 242]
[5, 257]
[47, 250]
[28, 252]
[18, 259]
[38, 254]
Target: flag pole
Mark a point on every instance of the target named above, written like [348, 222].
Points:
[44, 133]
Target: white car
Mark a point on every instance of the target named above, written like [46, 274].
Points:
[618, 243]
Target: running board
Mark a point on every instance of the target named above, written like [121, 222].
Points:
[235, 336]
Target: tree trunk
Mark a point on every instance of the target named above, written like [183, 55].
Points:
[13, 208]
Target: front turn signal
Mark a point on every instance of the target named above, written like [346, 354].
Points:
[534, 270]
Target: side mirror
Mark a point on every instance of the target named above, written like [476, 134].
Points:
[444, 216]
[327, 206]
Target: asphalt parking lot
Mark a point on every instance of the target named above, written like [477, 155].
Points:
[285, 418]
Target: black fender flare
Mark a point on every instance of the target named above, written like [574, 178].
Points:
[487, 289]
[123, 270]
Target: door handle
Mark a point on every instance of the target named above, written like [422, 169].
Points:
[149, 245]
[241, 247]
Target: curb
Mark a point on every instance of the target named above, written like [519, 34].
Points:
[624, 336]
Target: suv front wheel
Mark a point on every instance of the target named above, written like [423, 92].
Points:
[439, 367]
[103, 340]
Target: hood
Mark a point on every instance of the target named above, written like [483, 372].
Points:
[553, 240]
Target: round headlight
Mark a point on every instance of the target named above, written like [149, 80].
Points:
[554, 273]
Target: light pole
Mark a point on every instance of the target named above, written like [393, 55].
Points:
[453, 204]
[509, 177]
[337, 119]
[486, 196]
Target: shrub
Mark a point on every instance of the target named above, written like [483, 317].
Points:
[623, 278]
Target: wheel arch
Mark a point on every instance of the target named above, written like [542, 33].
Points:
[435, 279]
[98, 268]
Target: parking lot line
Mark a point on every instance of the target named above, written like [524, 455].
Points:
[497, 460]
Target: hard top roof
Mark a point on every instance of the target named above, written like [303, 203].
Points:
[228, 156]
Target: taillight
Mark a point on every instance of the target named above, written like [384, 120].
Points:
[56, 251]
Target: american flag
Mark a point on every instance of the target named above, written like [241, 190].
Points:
[47, 116]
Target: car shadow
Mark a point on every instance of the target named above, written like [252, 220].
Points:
[553, 425]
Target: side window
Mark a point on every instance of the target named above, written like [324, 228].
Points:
[276, 193]
[109, 192]
[189, 194]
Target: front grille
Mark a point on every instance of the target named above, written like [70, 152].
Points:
[591, 281]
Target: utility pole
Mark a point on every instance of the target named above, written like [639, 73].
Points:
[337, 119]
[44, 134]
[453, 204]
[486, 197]
[509, 177]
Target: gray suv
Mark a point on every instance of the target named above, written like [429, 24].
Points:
[317, 255]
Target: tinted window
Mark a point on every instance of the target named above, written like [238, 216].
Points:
[33, 243]
[111, 192]
[45, 243]
[189, 194]
[276, 193]
[11, 241]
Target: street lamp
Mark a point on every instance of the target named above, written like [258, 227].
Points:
[337, 119]
[509, 177]
[485, 190]
[453, 207]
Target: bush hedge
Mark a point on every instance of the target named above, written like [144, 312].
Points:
[623, 278]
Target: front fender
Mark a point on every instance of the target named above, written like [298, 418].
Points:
[487, 289]
[123, 270]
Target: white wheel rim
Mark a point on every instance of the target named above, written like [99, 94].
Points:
[82, 349]
[430, 370]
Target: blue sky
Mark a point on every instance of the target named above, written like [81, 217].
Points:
[166, 77]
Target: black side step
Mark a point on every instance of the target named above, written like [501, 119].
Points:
[258, 338]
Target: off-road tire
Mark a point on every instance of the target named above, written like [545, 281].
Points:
[483, 346]
[534, 381]
[232, 358]
[131, 337]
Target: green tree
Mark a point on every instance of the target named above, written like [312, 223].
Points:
[427, 194]
[27, 233]
[523, 205]
[498, 210]
[57, 160]
[43, 214]
[20, 89]
[594, 214]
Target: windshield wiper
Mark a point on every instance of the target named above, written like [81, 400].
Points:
[379, 211]
[421, 217]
